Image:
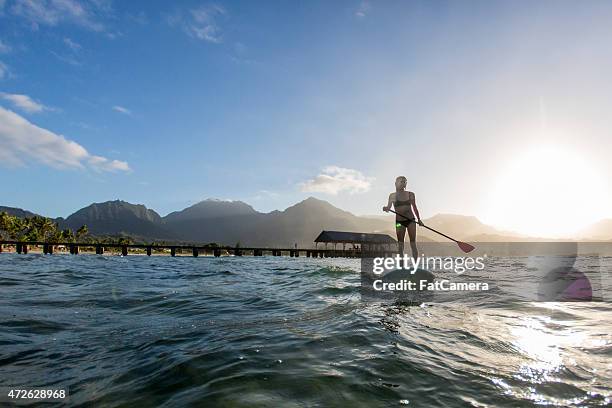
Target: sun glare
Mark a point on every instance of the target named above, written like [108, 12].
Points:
[549, 191]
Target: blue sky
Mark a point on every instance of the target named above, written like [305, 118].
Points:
[167, 103]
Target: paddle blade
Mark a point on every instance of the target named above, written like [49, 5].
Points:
[465, 247]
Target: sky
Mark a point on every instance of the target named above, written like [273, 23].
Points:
[497, 109]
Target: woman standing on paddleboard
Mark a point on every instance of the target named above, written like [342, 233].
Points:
[405, 208]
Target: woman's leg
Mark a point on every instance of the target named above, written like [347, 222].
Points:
[412, 235]
[401, 233]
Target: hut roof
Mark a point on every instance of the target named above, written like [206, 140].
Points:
[353, 238]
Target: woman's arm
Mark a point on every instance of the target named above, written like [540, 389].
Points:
[415, 208]
[388, 206]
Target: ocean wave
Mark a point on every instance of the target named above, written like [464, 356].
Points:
[139, 331]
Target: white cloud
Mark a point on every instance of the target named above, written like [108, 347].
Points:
[363, 9]
[140, 17]
[4, 71]
[4, 47]
[201, 23]
[22, 141]
[333, 180]
[68, 59]
[54, 12]
[104, 164]
[24, 102]
[73, 45]
[114, 35]
[121, 109]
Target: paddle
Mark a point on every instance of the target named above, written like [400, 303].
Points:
[465, 247]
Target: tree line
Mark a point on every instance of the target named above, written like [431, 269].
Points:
[43, 229]
[37, 228]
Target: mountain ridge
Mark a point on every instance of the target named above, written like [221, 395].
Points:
[210, 208]
[17, 212]
[118, 217]
[231, 222]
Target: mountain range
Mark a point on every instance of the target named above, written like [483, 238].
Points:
[230, 222]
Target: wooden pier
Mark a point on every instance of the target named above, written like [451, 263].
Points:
[22, 247]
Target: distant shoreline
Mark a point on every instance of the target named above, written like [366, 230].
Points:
[35, 250]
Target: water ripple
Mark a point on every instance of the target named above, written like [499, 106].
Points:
[270, 331]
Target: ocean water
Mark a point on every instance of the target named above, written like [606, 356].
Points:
[284, 332]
